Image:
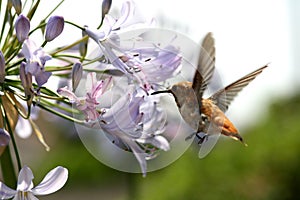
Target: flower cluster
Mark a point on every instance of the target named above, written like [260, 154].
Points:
[134, 120]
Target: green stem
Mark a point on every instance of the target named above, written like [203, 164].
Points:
[10, 130]
[69, 46]
[7, 167]
[71, 23]
[60, 114]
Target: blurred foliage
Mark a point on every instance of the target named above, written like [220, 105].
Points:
[269, 168]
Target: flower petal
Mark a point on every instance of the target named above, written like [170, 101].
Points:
[2, 67]
[52, 182]
[25, 179]
[28, 48]
[21, 196]
[6, 192]
[67, 93]
[23, 128]
[22, 27]
[157, 141]
[54, 27]
[139, 154]
[42, 78]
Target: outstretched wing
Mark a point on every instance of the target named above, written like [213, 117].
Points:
[225, 96]
[206, 66]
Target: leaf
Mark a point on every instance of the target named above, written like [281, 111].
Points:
[11, 112]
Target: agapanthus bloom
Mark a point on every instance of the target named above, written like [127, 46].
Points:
[4, 140]
[2, 67]
[148, 64]
[152, 65]
[136, 123]
[88, 103]
[22, 27]
[54, 27]
[129, 17]
[52, 182]
[35, 61]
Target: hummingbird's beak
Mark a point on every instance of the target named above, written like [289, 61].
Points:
[163, 91]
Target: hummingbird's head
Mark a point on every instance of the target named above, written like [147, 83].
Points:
[181, 91]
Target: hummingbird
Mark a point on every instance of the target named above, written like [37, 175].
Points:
[199, 112]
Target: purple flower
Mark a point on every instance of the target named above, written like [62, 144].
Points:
[152, 65]
[26, 80]
[22, 27]
[76, 75]
[52, 182]
[129, 17]
[17, 4]
[54, 27]
[35, 61]
[2, 68]
[136, 122]
[106, 4]
[88, 104]
[4, 140]
[148, 64]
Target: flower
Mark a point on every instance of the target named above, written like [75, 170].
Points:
[129, 17]
[106, 4]
[35, 61]
[4, 140]
[76, 75]
[88, 104]
[2, 67]
[17, 4]
[52, 182]
[26, 80]
[135, 123]
[22, 27]
[54, 27]
[148, 65]
[152, 65]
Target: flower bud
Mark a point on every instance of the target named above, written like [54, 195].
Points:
[4, 140]
[2, 67]
[26, 80]
[76, 75]
[22, 27]
[83, 45]
[54, 27]
[17, 4]
[106, 4]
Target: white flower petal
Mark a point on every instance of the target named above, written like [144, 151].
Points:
[139, 154]
[23, 128]
[28, 48]
[67, 93]
[126, 11]
[25, 179]
[52, 182]
[6, 192]
[157, 141]
[95, 35]
[21, 196]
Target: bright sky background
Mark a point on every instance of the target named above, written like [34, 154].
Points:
[248, 34]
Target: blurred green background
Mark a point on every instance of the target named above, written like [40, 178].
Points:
[267, 169]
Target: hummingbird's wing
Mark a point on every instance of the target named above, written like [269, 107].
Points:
[225, 96]
[205, 67]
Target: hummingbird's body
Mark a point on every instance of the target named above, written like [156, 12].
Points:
[200, 113]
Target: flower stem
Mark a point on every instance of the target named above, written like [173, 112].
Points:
[60, 114]
[10, 130]
[7, 168]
